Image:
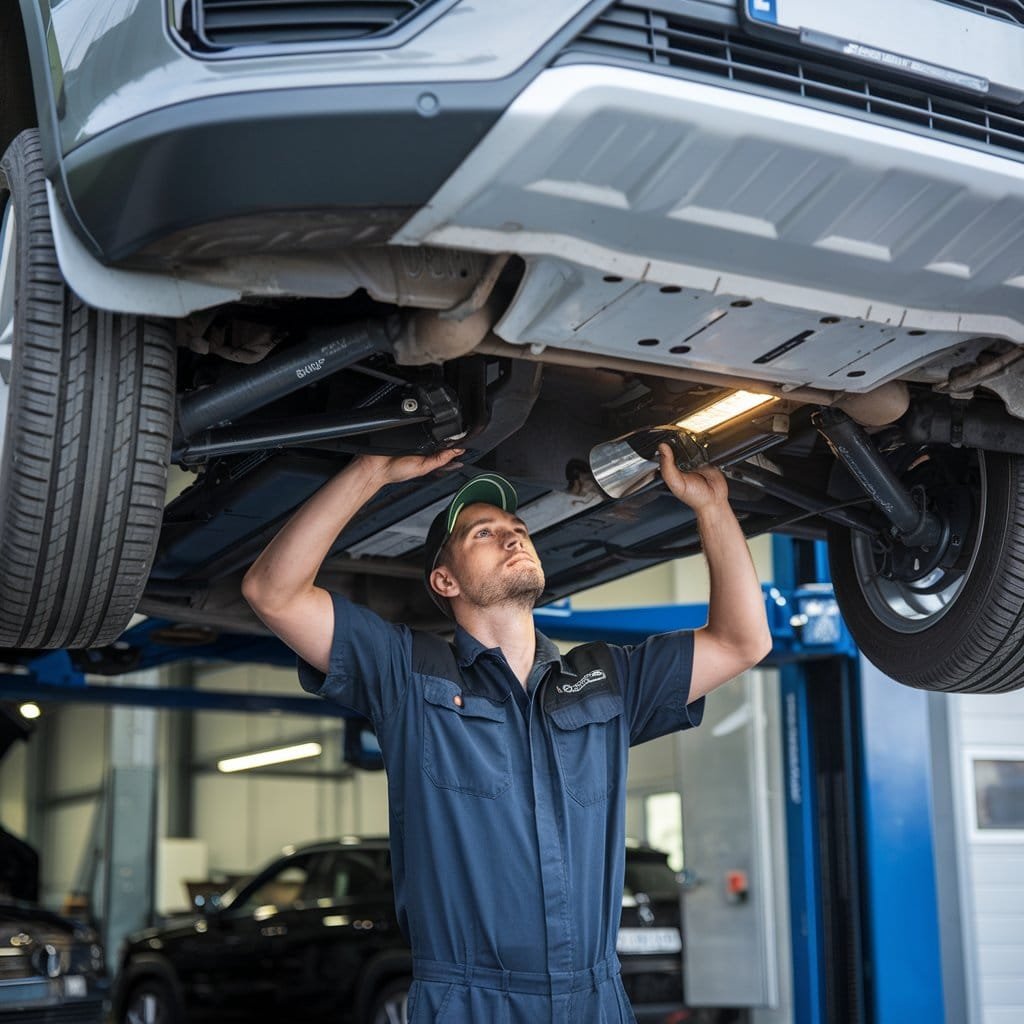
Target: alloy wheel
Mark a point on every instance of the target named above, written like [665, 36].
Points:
[912, 606]
[393, 1010]
[146, 1008]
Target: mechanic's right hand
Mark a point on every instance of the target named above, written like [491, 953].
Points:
[393, 469]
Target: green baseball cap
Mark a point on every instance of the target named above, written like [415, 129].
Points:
[485, 489]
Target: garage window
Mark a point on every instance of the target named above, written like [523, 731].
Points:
[999, 794]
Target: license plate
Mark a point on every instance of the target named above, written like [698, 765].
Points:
[649, 940]
[74, 985]
[953, 45]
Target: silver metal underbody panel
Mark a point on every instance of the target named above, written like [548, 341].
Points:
[752, 236]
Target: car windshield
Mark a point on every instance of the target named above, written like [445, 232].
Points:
[650, 876]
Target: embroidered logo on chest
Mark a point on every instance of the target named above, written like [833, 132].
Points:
[596, 676]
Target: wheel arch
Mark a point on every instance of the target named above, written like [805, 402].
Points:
[19, 108]
[377, 973]
[143, 967]
[41, 84]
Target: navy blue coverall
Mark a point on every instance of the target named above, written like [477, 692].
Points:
[507, 813]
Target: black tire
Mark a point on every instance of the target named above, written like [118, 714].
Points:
[85, 444]
[391, 1004]
[151, 1001]
[973, 641]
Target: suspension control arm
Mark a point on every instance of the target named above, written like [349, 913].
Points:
[323, 352]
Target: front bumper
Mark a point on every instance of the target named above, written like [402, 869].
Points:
[666, 215]
[159, 159]
[297, 169]
[46, 1001]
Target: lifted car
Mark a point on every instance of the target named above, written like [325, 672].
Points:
[249, 241]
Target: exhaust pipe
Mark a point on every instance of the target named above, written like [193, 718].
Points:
[627, 463]
[972, 424]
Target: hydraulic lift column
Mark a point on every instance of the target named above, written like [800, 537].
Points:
[130, 805]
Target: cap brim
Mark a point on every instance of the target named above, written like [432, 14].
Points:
[487, 489]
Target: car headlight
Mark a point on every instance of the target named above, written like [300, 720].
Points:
[15, 954]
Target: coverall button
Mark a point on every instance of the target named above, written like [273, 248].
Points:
[457, 700]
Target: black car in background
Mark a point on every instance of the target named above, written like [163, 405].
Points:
[650, 942]
[52, 969]
[314, 937]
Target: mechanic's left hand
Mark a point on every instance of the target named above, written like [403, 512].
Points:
[701, 489]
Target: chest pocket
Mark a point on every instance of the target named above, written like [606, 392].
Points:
[588, 744]
[465, 744]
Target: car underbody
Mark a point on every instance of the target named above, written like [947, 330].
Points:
[532, 416]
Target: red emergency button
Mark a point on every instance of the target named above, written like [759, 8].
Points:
[737, 886]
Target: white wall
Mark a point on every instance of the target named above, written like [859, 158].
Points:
[248, 817]
[992, 867]
[245, 819]
[647, 587]
[683, 581]
[78, 759]
[78, 756]
[67, 832]
[179, 861]
[13, 806]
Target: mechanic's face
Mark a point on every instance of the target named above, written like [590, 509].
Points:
[491, 559]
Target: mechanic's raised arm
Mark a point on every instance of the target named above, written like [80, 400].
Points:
[737, 636]
[280, 585]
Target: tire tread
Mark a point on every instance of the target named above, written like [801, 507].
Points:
[83, 473]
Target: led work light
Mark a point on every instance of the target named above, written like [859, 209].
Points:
[714, 435]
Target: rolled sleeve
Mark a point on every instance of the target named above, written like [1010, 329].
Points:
[370, 663]
[656, 686]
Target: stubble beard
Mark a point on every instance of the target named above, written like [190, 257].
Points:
[520, 588]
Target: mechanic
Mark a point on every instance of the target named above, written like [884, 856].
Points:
[506, 762]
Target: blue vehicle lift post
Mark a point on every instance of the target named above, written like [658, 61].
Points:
[858, 761]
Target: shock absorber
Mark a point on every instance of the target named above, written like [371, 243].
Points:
[915, 526]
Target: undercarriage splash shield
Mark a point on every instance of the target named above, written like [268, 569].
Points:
[691, 225]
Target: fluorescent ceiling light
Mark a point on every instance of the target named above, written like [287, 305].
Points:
[29, 710]
[264, 757]
[723, 410]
